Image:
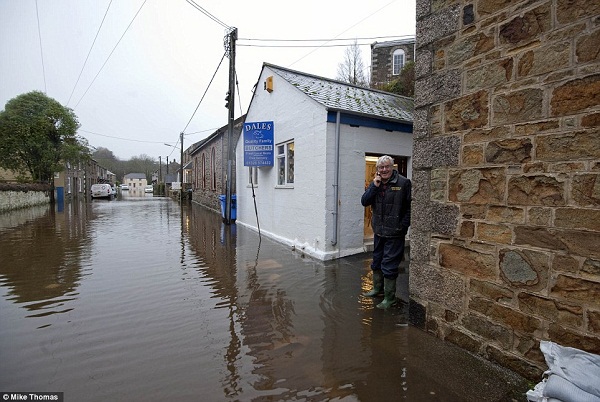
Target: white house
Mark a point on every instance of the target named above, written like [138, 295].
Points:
[326, 136]
[136, 183]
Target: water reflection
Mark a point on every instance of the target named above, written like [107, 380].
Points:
[42, 252]
[163, 303]
[299, 322]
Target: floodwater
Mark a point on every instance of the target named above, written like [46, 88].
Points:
[139, 299]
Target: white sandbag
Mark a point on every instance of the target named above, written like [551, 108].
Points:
[573, 375]
[537, 393]
[563, 390]
[578, 367]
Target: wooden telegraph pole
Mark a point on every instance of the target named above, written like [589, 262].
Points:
[181, 171]
[230, 49]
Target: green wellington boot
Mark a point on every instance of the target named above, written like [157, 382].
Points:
[389, 294]
[377, 284]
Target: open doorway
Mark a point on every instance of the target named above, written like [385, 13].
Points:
[400, 164]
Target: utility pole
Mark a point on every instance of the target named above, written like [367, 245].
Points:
[181, 171]
[230, 48]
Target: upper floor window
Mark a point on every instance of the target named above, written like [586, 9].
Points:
[398, 61]
[285, 163]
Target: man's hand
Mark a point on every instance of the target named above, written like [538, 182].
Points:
[377, 179]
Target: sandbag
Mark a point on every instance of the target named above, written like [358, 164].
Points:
[573, 375]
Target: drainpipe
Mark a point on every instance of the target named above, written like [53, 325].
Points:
[336, 180]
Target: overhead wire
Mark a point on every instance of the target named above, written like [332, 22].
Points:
[89, 52]
[218, 21]
[209, 15]
[121, 138]
[174, 147]
[111, 53]
[37, 13]
[238, 94]
[323, 40]
[299, 46]
[224, 25]
[368, 16]
[203, 131]
[207, 88]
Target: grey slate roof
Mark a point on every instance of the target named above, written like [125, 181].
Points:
[337, 95]
[398, 42]
[135, 176]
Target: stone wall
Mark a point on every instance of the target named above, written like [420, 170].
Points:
[205, 195]
[505, 243]
[382, 60]
[15, 196]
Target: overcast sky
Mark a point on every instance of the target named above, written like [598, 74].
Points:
[140, 85]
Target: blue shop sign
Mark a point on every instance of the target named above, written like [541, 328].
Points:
[258, 144]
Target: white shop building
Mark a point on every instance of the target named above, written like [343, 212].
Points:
[313, 142]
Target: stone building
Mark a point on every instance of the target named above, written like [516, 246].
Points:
[209, 159]
[505, 243]
[388, 59]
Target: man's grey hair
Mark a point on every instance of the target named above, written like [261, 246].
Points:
[384, 159]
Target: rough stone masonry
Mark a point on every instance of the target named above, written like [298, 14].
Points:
[505, 247]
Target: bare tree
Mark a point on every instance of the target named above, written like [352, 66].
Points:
[352, 69]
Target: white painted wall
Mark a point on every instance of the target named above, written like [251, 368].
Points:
[302, 216]
[355, 143]
[294, 215]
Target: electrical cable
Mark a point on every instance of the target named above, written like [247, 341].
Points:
[174, 147]
[209, 15]
[111, 53]
[255, 208]
[207, 88]
[324, 40]
[37, 13]
[368, 16]
[238, 94]
[299, 46]
[203, 131]
[121, 138]
[90, 52]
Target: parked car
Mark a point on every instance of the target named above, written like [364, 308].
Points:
[124, 187]
[113, 190]
[101, 191]
[149, 188]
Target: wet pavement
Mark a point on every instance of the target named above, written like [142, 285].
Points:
[136, 299]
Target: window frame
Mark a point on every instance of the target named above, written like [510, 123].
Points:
[397, 65]
[287, 159]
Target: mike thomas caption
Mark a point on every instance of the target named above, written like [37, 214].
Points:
[32, 396]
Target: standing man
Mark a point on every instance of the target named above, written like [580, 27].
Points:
[389, 196]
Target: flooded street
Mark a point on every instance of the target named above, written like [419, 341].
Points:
[133, 299]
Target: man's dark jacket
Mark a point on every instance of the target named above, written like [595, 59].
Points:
[390, 203]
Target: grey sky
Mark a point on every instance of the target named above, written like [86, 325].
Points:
[150, 86]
